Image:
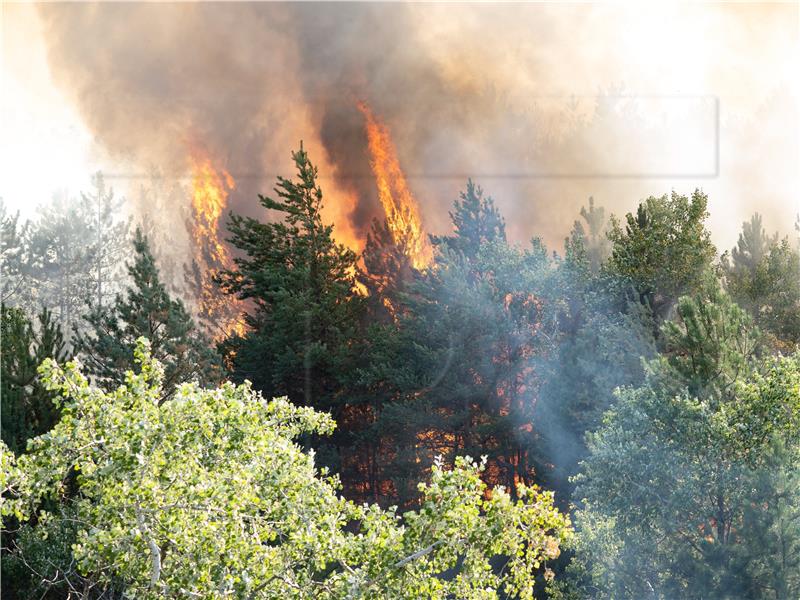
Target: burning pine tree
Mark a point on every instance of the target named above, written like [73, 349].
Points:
[219, 314]
[399, 204]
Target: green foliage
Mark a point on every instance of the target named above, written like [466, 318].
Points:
[589, 249]
[690, 481]
[753, 245]
[711, 343]
[476, 222]
[13, 484]
[27, 407]
[689, 459]
[763, 275]
[208, 495]
[39, 563]
[302, 289]
[663, 250]
[68, 257]
[600, 346]
[771, 526]
[387, 273]
[15, 283]
[60, 254]
[453, 372]
[110, 240]
[604, 352]
[145, 309]
[780, 310]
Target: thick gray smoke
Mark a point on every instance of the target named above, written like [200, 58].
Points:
[154, 81]
[544, 105]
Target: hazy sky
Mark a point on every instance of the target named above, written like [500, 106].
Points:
[504, 93]
[44, 145]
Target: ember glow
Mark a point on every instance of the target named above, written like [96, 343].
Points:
[210, 189]
[399, 204]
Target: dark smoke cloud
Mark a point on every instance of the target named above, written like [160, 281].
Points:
[153, 80]
[523, 98]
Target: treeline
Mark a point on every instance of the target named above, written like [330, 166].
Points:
[651, 382]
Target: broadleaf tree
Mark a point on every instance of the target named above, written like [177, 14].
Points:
[208, 495]
[663, 251]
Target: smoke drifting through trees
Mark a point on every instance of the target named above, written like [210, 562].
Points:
[500, 348]
[466, 90]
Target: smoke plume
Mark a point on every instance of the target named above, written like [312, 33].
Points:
[543, 105]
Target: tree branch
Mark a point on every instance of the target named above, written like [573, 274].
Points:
[155, 552]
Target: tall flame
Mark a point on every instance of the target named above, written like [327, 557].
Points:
[210, 189]
[402, 212]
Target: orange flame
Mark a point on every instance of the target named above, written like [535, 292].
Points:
[402, 212]
[210, 189]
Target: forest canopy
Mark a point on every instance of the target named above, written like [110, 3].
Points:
[620, 419]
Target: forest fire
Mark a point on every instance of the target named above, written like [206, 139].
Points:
[399, 204]
[317, 301]
[210, 189]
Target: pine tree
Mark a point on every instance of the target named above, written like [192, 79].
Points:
[28, 409]
[688, 488]
[69, 257]
[593, 246]
[712, 343]
[110, 240]
[763, 275]
[145, 309]
[600, 345]
[602, 353]
[62, 249]
[301, 286]
[476, 221]
[388, 278]
[455, 372]
[14, 258]
[753, 245]
[779, 286]
[387, 273]
[166, 223]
